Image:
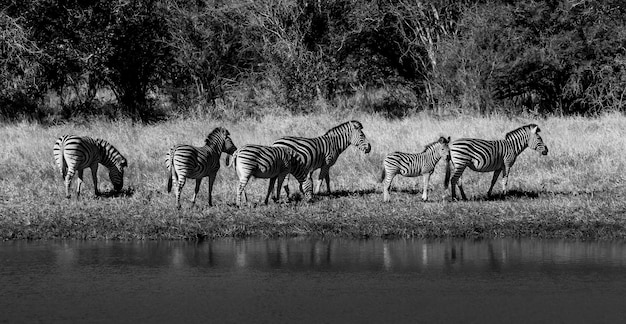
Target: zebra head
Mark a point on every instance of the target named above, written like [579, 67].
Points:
[358, 138]
[116, 173]
[535, 141]
[443, 148]
[220, 139]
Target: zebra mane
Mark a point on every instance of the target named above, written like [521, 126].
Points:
[523, 129]
[339, 128]
[217, 133]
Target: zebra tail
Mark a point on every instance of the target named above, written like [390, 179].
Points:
[381, 176]
[446, 181]
[172, 172]
[231, 160]
[61, 158]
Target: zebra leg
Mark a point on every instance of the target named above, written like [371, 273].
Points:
[307, 189]
[496, 174]
[243, 181]
[280, 183]
[79, 182]
[211, 182]
[179, 189]
[68, 182]
[327, 178]
[324, 175]
[426, 183]
[94, 177]
[270, 189]
[505, 180]
[387, 184]
[460, 184]
[455, 180]
[196, 190]
[286, 187]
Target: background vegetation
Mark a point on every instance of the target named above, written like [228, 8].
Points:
[576, 191]
[156, 58]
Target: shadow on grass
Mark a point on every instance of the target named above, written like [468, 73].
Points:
[125, 192]
[511, 194]
[346, 193]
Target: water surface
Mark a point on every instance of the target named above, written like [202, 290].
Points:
[309, 280]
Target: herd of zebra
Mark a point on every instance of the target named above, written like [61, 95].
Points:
[300, 157]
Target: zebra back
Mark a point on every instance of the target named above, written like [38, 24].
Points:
[269, 161]
[316, 152]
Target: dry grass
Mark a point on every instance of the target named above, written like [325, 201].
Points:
[577, 190]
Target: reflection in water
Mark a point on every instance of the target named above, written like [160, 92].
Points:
[295, 280]
[344, 255]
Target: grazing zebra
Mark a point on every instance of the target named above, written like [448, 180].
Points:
[269, 162]
[186, 161]
[74, 153]
[485, 156]
[413, 165]
[322, 152]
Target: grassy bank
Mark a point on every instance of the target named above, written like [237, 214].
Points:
[577, 191]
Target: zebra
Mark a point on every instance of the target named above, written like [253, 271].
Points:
[186, 161]
[322, 152]
[485, 156]
[269, 162]
[413, 165]
[75, 153]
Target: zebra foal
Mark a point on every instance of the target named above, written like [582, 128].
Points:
[413, 165]
[485, 156]
[186, 161]
[269, 162]
[322, 152]
[74, 153]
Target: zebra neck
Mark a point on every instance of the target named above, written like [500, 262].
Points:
[107, 154]
[212, 149]
[339, 141]
[431, 160]
[518, 145]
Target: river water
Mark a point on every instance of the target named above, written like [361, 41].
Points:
[316, 281]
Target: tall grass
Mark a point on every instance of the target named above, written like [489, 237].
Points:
[580, 180]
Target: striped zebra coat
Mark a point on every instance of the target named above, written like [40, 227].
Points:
[322, 152]
[73, 154]
[186, 161]
[485, 156]
[413, 165]
[269, 162]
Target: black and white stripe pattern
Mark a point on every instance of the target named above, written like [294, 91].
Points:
[486, 156]
[322, 152]
[271, 162]
[413, 165]
[74, 153]
[186, 161]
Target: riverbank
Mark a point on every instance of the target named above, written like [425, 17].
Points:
[577, 191]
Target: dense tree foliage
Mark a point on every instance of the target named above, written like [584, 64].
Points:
[551, 56]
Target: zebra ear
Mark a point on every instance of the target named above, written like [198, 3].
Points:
[534, 129]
